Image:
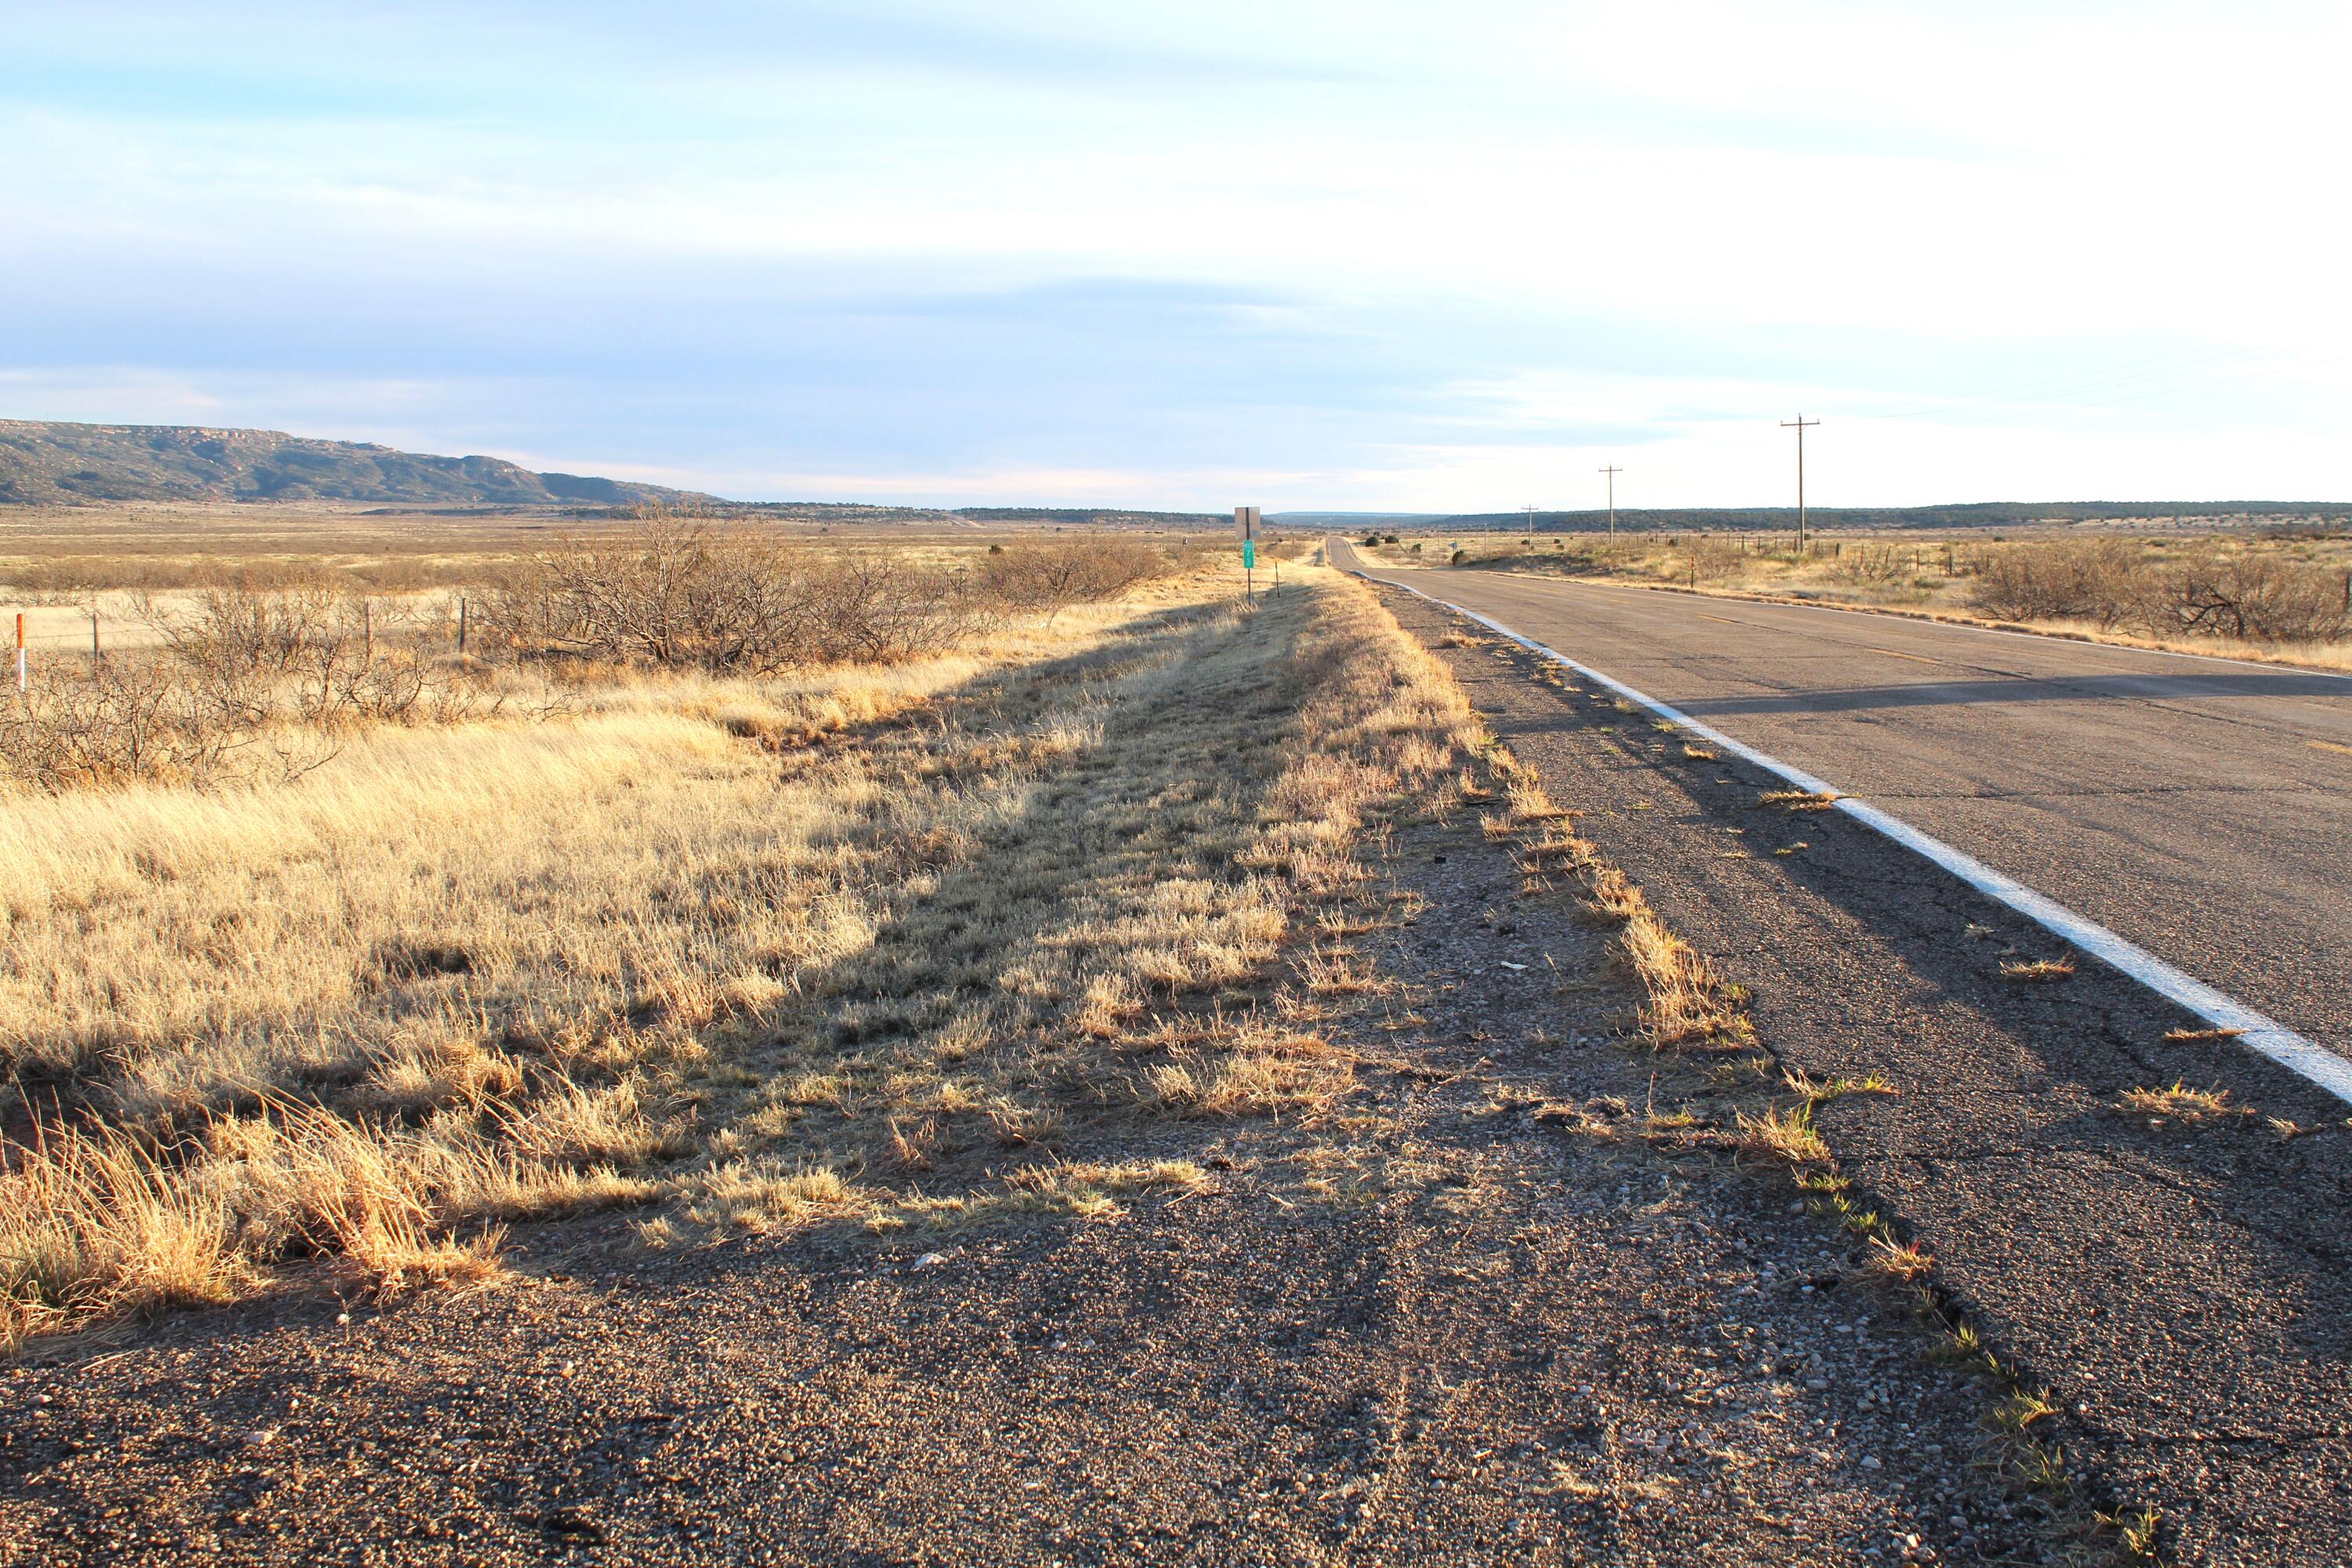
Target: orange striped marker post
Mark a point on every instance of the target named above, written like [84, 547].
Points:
[20, 653]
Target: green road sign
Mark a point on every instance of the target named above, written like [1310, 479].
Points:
[1249, 554]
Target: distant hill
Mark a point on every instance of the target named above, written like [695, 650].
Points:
[59, 464]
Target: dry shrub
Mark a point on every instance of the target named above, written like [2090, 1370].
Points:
[2258, 598]
[677, 594]
[1876, 565]
[122, 721]
[260, 677]
[2214, 591]
[1054, 575]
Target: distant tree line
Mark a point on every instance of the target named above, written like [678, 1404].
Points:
[2323, 515]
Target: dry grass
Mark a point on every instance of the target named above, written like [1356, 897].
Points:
[1786, 1133]
[1799, 799]
[2036, 971]
[1901, 1262]
[770, 953]
[2183, 1101]
[1687, 1005]
[1820, 1091]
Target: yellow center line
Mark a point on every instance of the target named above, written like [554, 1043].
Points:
[1914, 658]
[1718, 620]
[2332, 746]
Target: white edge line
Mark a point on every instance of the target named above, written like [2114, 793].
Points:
[2264, 1034]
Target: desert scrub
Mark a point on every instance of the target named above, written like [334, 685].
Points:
[858, 927]
[2269, 594]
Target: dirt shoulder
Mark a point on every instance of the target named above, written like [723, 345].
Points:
[1516, 1296]
[2168, 1271]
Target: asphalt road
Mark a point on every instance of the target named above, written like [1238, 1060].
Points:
[2177, 1286]
[2199, 808]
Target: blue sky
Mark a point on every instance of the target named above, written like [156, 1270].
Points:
[1314, 254]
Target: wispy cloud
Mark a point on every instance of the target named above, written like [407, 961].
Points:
[1335, 252]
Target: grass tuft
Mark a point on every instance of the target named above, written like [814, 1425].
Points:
[1799, 799]
[2181, 1101]
[1786, 1133]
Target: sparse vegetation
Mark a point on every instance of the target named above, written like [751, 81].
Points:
[1799, 799]
[756, 949]
[2188, 1103]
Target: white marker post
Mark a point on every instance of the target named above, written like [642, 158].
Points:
[1247, 522]
[20, 653]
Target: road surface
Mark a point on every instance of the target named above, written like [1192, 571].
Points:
[2178, 1287]
[2199, 808]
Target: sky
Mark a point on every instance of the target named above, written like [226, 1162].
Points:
[1374, 254]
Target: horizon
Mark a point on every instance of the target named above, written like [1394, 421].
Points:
[1331, 260]
[2174, 507]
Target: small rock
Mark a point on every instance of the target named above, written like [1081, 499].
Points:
[1870, 1461]
[261, 1438]
[930, 1258]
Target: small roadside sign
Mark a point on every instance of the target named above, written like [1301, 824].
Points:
[1246, 523]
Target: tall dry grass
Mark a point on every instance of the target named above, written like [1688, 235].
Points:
[844, 937]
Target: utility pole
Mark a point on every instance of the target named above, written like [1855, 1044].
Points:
[1800, 425]
[1531, 516]
[1612, 470]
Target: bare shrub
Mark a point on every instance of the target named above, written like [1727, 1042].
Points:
[1055, 575]
[680, 594]
[120, 721]
[1712, 559]
[2258, 597]
[262, 675]
[2212, 592]
[2100, 581]
[1867, 564]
